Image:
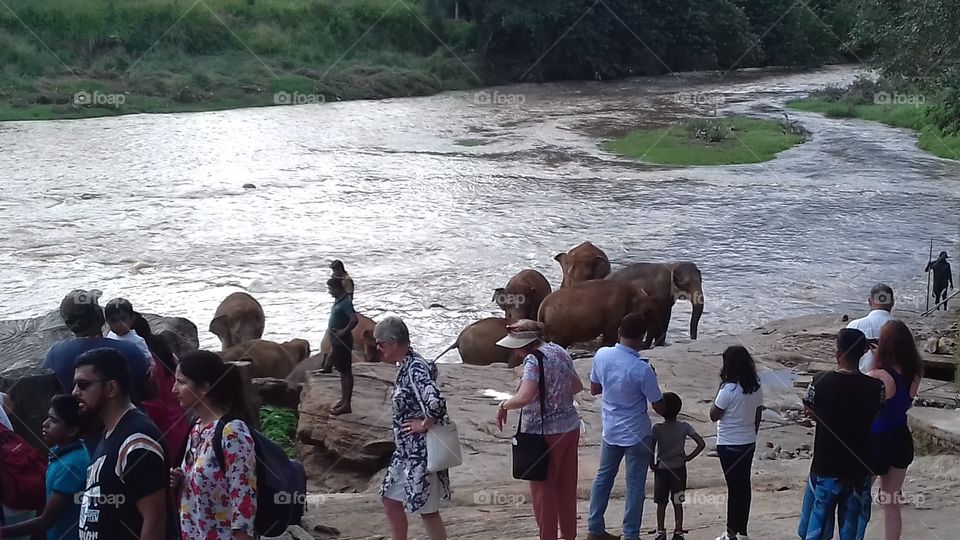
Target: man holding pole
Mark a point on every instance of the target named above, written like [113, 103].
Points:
[942, 275]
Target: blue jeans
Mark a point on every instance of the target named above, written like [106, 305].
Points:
[638, 461]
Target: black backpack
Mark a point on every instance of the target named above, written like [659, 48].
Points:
[281, 483]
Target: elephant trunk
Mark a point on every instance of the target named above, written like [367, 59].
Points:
[696, 300]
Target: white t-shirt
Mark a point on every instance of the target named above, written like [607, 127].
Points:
[134, 338]
[736, 426]
[870, 326]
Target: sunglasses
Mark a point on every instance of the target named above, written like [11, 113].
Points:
[83, 384]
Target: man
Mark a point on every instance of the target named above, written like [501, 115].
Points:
[942, 274]
[881, 303]
[627, 383]
[125, 496]
[844, 403]
[342, 321]
[340, 273]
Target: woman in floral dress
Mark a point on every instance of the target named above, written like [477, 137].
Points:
[407, 486]
[216, 502]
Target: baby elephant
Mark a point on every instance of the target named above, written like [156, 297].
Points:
[269, 359]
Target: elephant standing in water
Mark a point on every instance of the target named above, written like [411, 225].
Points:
[666, 282]
[522, 296]
[582, 263]
[689, 281]
[585, 310]
[238, 318]
[478, 343]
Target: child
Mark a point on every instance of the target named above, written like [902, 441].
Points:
[670, 466]
[66, 474]
[121, 318]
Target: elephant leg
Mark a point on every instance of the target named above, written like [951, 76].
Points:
[664, 325]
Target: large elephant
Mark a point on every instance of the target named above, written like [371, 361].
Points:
[585, 310]
[583, 263]
[238, 318]
[478, 343]
[522, 296]
[269, 359]
[657, 280]
[364, 349]
[689, 281]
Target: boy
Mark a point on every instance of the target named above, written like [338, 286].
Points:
[670, 466]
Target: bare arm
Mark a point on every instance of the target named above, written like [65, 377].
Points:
[659, 407]
[756, 420]
[716, 413]
[153, 510]
[700, 445]
[354, 320]
[524, 396]
[576, 385]
[915, 387]
[889, 386]
[595, 389]
[56, 504]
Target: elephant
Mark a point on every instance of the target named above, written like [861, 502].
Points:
[478, 343]
[238, 318]
[364, 349]
[657, 280]
[522, 296]
[582, 311]
[582, 263]
[269, 359]
[689, 281]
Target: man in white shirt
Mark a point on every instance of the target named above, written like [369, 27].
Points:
[880, 302]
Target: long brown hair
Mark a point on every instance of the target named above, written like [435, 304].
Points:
[897, 349]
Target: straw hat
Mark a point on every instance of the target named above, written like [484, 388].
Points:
[521, 334]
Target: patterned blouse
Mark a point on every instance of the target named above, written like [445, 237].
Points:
[409, 460]
[562, 417]
[214, 502]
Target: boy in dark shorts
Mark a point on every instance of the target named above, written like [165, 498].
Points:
[343, 319]
[670, 466]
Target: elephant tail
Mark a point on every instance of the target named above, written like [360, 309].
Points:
[455, 345]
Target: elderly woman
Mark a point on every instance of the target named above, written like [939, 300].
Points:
[407, 486]
[554, 499]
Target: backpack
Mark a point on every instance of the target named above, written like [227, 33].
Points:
[281, 483]
[23, 472]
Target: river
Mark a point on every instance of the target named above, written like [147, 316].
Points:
[439, 200]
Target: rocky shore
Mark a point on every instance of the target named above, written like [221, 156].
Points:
[345, 455]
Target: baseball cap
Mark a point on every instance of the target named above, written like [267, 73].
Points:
[79, 309]
[119, 307]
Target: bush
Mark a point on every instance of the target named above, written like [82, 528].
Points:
[280, 426]
[707, 130]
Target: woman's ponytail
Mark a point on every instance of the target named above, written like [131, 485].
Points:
[226, 387]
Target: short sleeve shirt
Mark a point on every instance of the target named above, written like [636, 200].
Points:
[340, 313]
[629, 384]
[737, 426]
[132, 337]
[870, 326]
[127, 466]
[671, 438]
[561, 416]
[61, 357]
[67, 475]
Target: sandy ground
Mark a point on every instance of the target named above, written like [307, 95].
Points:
[487, 503]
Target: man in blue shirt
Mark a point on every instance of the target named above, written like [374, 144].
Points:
[627, 383]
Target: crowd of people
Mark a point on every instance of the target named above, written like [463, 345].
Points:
[146, 445]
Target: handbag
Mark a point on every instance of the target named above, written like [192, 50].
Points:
[531, 458]
[443, 440]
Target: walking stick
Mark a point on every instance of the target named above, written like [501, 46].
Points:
[929, 260]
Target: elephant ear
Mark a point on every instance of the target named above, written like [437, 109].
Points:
[601, 267]
[218, 326]
[560, 257]
[498, 293]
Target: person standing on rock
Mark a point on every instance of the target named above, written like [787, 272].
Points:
[408, 486]
[343, 319]
[942, 274]
[627, 384]
[881, 303]
[737, 410]
[900, 368]
[340, 273]
[843, 403]
[554, 499]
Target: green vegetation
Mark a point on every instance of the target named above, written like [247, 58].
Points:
[899, 106]
[727, 141]
[280, 426]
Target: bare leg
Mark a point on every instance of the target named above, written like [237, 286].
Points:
[678, 516]
[346, 393]
[890, 485]
[661, 516]
[433, 523]
[396, 517]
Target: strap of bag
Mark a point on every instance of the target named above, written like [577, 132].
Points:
[542, 386]
[416, 392]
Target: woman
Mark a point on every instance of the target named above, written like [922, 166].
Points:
[66, 474]
[898, 364]
[554, 499]
[407, 486]
[218, 501]
[737, 410]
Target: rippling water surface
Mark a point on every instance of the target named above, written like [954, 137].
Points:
[438, 200]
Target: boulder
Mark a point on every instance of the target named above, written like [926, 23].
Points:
[23, 348]
[277, 392]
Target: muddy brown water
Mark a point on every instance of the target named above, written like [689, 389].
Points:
[436, 201]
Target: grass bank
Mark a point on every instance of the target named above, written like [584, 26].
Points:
[280, 426]
[725, 141]
[88, 58]
[881, 101]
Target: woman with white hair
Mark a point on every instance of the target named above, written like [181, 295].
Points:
[408, 486]
[555, 498]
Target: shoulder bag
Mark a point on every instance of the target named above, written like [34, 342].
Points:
[443, 440]
[531, 459]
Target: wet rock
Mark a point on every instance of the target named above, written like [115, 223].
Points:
[277, 392]
[249, 186]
